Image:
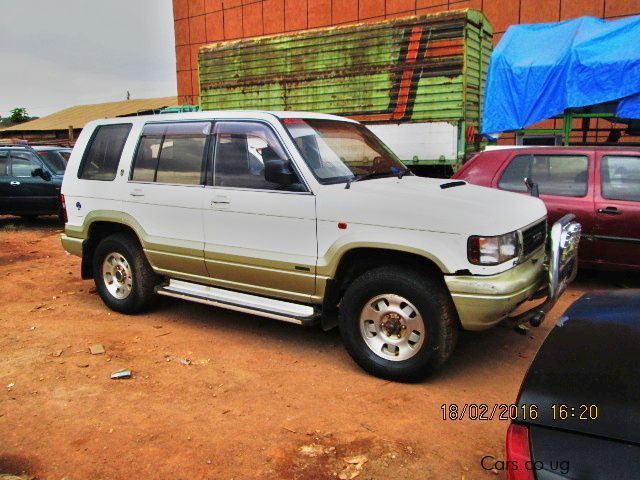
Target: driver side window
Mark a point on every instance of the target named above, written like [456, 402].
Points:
[241, 151]
[22, 164]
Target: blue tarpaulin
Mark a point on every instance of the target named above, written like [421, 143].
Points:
[537, 71]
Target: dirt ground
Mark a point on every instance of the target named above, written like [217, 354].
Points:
[257, 399]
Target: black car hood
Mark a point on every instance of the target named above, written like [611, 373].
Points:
[591, 357]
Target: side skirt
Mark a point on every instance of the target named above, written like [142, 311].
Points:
[241, 302]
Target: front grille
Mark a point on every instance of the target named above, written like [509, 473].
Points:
[533, 237]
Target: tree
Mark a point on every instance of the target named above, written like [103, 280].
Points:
[19, 115]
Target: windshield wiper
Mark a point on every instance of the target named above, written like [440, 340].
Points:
[402, 173]
[366, 176]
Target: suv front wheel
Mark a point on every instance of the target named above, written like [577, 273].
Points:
[124, 279]
[398, 323]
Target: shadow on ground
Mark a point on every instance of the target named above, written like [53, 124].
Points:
[16, 465]
[9, 222]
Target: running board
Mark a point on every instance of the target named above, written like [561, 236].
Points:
[240, 302]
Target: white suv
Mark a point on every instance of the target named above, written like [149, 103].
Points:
[306, 218]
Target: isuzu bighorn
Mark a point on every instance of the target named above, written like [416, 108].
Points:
[307, 218]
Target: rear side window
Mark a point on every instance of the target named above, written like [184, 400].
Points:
[562, 175]
[101, 159]
[172, 153]
[621, 178]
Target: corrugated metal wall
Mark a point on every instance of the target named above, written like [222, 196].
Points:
[421, 68]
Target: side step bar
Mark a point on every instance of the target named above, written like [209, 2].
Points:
[240, 302]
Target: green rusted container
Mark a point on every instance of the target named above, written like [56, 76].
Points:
[420, 69]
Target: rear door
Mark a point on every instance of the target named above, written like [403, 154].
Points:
[617, 209]
[30, 194]
[166, 192]
[565, 182]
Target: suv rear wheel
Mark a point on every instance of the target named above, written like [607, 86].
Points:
[398, 323]
[124, 279]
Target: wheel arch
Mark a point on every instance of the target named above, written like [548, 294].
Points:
[97, 230]
[357, 260]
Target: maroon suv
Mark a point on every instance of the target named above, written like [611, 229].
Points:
[600, 185]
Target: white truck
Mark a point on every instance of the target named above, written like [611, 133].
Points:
[306, 218]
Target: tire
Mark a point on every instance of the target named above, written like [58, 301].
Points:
[386, 339]
[129, 286]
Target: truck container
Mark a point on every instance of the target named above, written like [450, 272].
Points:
[416, 81]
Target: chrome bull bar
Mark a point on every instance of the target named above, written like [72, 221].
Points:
[563, 255]
[562, 267]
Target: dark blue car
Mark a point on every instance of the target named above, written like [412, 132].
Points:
[579, 405]
[30, 179]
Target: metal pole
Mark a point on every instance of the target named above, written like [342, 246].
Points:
[567, 125]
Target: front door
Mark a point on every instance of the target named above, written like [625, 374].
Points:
[617, 210]
[30, 194]
[260, 237]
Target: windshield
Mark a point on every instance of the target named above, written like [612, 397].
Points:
[339, 151]
[55, 160]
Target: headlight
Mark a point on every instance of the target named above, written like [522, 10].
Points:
[492, 250]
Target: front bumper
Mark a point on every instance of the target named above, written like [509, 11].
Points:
[484, 301]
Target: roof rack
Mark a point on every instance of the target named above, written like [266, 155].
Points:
[23, 144]
[180, 109]
[42, 145]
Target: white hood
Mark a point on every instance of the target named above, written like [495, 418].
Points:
[419, 203]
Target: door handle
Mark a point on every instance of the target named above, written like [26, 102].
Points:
[137, 192]
[610, 211]
[14, 184]
[220, 201]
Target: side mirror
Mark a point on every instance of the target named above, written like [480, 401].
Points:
[279, 171]
[39, 172]
[532, 187]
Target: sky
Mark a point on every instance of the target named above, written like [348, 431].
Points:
[60, 53]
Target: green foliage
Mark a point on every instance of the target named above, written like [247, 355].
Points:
[18, 115]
